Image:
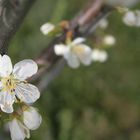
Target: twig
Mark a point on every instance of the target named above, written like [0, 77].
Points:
[89, 13]
[51, 75]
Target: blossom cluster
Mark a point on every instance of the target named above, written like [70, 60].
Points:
[14, 89]
[75, 51]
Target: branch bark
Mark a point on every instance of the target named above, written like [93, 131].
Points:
[12, 13]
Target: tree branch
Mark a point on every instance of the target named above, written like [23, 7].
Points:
[12, 13]
[51, 75]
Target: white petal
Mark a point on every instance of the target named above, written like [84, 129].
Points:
[47, 28]
[25, 69]
[18, 130]
[99, 55]
[137, 18]
[103, 24]
[85, 57]
[72, 60]
[27, 93]
[130, 18]
[60, 49]
[6, 102]
[78, 40]
[1, 85]
[109, 40]
[103, 56]
[5, 66]
[31, 118]
[95, 55]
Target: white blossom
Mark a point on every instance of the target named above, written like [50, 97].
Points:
[18, 130]
[132, 18]
[103, 24]
[99, 55]
[74, 52]
[129, 18]
[31, 118]
[47, 28]
[109, 40]
[13, 83]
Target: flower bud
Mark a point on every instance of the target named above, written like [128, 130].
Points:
[31, 118]
[47, 28]
[109, 40]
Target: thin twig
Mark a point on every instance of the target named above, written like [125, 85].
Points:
[51, 75]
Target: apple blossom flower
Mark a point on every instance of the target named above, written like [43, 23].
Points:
[99, 55]
[31, 118]
[132, 18]
[18, 130]
[13, 84]
[74, 52]
[47, 28]
[109, 40]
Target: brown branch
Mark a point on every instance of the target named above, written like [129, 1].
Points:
[12, 13]
[90, 12]
[51, 75]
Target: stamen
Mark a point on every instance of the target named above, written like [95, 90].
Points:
[9, 84]
[78, 50]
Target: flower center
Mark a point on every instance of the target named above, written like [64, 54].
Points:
[9, 84]
[78, 50]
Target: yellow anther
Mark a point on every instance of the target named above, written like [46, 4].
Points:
[78, 50]
[9, 84]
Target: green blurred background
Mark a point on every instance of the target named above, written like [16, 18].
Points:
[99, 102]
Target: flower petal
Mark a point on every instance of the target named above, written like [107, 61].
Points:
[18, 130]
[137, 12]
[130, 18]
[1, 85]
[109, 40]
[85, 57]
[78, 40]
[72, 60]
[6, 102]
[5, 66]
[103, 24]
[99, 55]
[47, 28]
[60, 49]
[31, 118]
[27, 93]
[25, 69]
